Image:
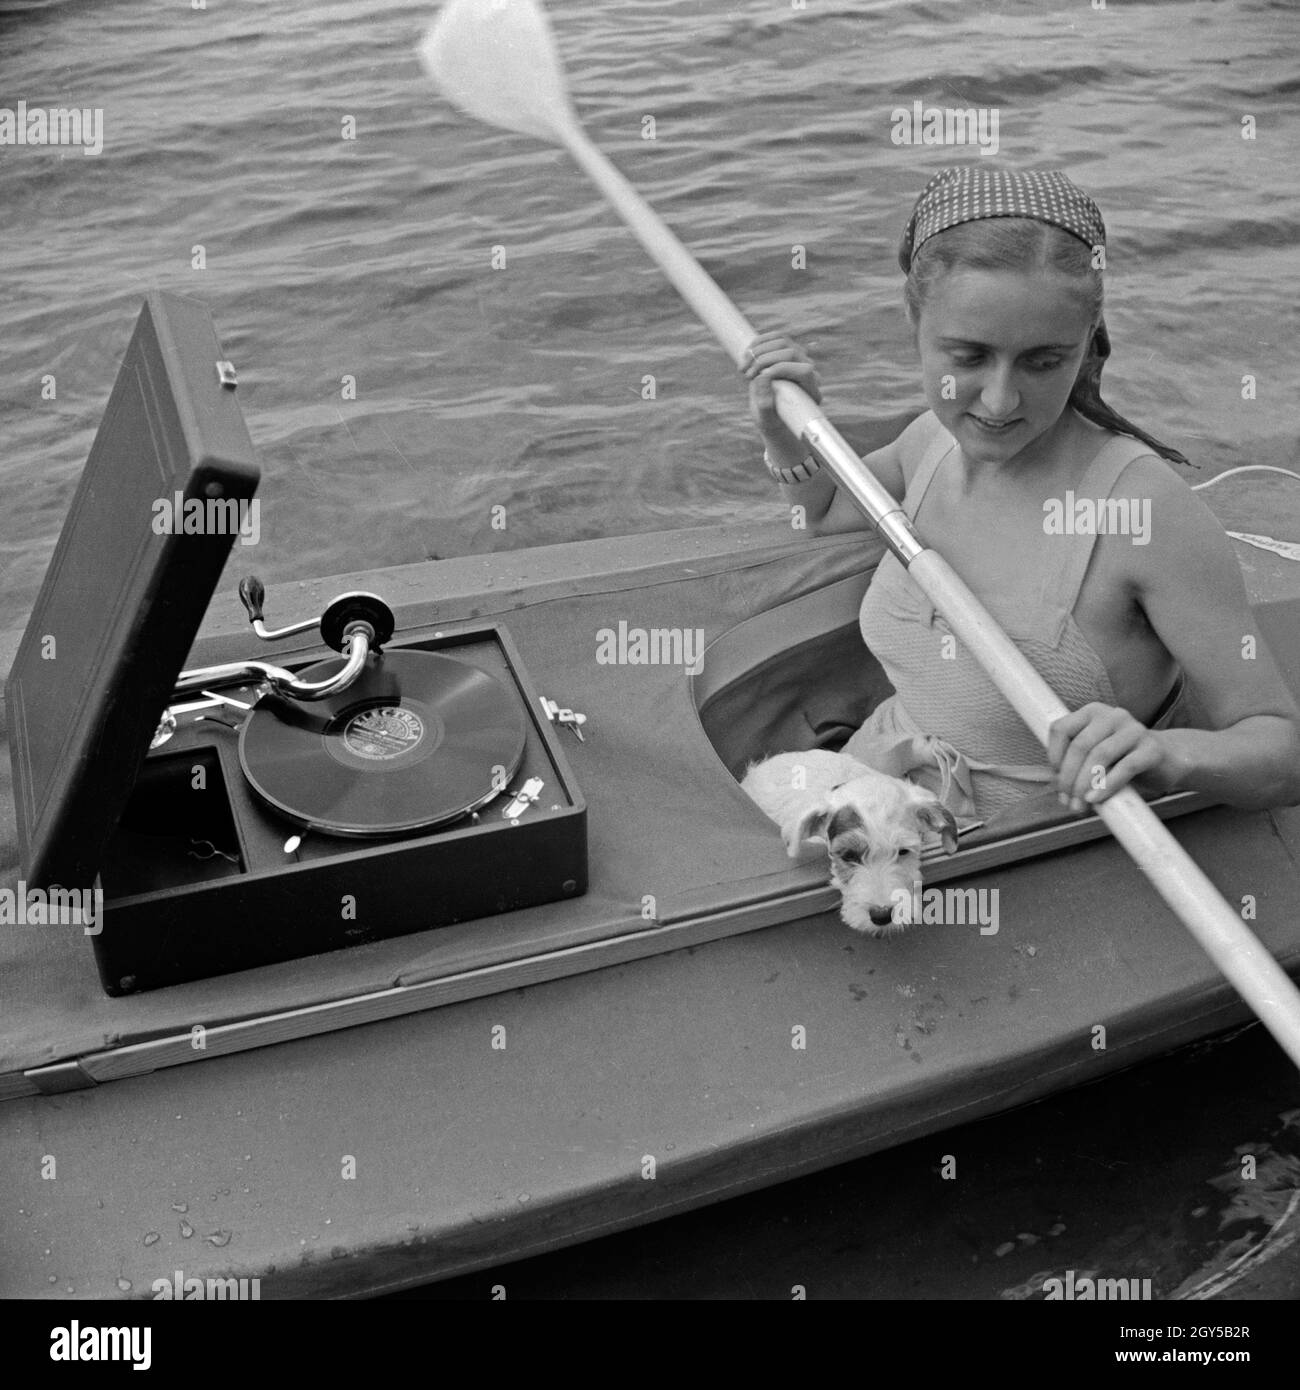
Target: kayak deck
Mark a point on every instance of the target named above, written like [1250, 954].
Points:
[468, 1154]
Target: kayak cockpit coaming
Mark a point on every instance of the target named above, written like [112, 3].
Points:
[764, 690]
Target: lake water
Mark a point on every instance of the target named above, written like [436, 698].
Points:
[521, 387]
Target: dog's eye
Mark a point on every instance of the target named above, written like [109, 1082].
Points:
[850, 856]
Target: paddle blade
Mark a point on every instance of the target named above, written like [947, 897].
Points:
[497, 61]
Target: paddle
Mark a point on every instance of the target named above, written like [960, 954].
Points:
[496, 59]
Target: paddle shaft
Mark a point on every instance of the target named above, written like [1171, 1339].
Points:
[1224, 937]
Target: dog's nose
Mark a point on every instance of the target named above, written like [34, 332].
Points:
[881, 915]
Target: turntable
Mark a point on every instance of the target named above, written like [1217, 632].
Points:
[243, 813]
[371, 744]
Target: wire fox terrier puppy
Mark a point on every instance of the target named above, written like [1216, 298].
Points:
[872, 825]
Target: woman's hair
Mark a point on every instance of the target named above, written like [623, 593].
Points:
[1022, 243]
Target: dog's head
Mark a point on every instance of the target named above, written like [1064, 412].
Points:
[874, 829]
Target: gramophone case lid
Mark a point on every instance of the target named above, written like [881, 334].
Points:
[125, 593]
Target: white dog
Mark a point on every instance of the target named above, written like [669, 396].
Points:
[872, 825]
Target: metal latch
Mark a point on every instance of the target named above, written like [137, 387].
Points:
[524, 798]
[566, 718]
[227, 375]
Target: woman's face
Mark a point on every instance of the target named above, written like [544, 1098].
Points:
[1000, 351]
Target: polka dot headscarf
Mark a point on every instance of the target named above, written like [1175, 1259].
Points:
[971, 193]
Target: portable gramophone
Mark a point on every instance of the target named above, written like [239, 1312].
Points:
[245, 812]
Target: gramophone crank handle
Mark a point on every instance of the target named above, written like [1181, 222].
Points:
[338, 619]
[252, 594]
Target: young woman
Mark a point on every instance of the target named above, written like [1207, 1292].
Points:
[1004, 293]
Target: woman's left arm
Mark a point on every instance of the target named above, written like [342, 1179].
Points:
[1190, 587]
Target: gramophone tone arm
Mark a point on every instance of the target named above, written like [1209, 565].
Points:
[233, 673]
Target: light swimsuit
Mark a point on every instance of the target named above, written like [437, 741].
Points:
[947, 726]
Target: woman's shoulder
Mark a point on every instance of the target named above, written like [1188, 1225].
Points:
[1145, 474]
[1104, 463]
[1180, 533]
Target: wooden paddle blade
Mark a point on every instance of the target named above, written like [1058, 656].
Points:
[497, 61]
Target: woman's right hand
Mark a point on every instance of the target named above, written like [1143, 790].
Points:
[769, 357]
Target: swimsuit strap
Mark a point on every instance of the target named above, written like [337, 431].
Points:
[1097, 483]
[1163, 717]
[936, 451]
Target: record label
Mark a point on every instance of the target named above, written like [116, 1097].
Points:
[386, 731]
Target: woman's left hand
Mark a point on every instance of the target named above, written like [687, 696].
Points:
[1098, 749]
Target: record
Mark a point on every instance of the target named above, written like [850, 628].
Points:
[418, 740]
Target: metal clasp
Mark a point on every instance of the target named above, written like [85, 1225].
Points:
[566, 718]
[524, 798]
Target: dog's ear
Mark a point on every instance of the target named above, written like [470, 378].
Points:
[934, 815]
[811, 825]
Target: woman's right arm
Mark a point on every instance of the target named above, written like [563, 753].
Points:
[828, 510]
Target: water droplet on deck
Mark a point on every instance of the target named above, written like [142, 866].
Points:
[186, 1229]
[124, 1285]
[219, 1238]
[152, 1238]
[180, 1206]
